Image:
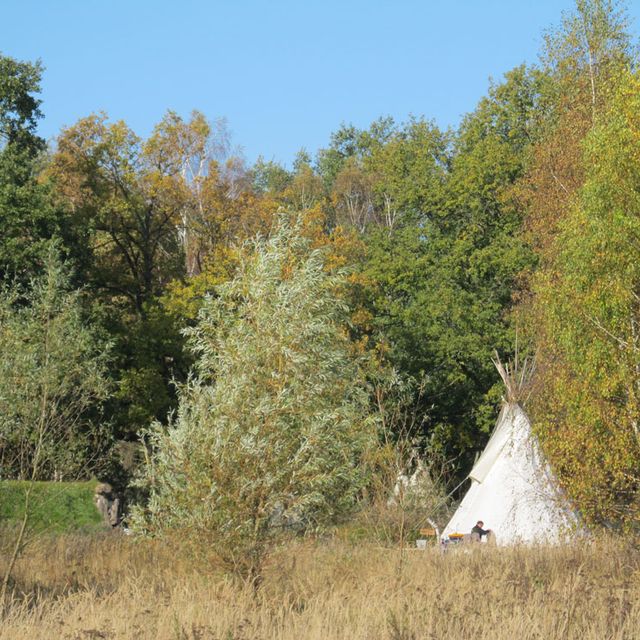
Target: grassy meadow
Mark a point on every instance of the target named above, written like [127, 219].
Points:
[54, 506]
[107, 586]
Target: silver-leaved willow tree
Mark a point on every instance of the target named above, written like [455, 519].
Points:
[273, 431]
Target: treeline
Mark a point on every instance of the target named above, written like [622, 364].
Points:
[523, 225]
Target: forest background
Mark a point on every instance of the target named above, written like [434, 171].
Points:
[521, 225]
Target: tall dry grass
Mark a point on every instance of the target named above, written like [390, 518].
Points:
[113, 587]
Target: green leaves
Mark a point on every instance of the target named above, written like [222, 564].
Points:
[587, 300]
[27, 218]
[52, 381]
[19, 109]
[271, 434]
[441, 285]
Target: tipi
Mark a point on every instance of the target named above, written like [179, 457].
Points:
[512, 488]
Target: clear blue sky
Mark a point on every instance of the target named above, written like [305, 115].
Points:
[285, 74]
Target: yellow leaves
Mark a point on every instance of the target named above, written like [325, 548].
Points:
[346, 248]
[184, 299]
[362, 318]
[583, 197]
[185, 147]
[94, 156]
[306, 190]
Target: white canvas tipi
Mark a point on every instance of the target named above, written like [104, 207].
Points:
[512, 488]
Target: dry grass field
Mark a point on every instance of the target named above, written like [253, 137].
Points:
[113, 587]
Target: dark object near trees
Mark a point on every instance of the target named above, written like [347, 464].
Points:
[108, 504]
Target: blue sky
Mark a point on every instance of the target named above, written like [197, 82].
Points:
[284, 74]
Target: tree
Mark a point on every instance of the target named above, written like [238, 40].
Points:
[52, 381]
[439, 285]
[582, 55]
[19, 109]
[150, 213]
[587, 318]
[129, 199]
[27, 218]
[269, 177]
[580, 222]
[306, 190]
[387, 175]
[408, 172]
[52, 386]
[580, 64]
[272, 432]
[353, 195]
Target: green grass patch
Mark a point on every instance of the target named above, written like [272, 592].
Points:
[54, 506]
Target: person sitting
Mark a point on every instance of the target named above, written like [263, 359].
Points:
[477, 532]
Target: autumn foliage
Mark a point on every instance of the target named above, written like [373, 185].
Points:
[521, 224]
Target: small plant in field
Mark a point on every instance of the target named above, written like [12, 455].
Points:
[272, 430]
